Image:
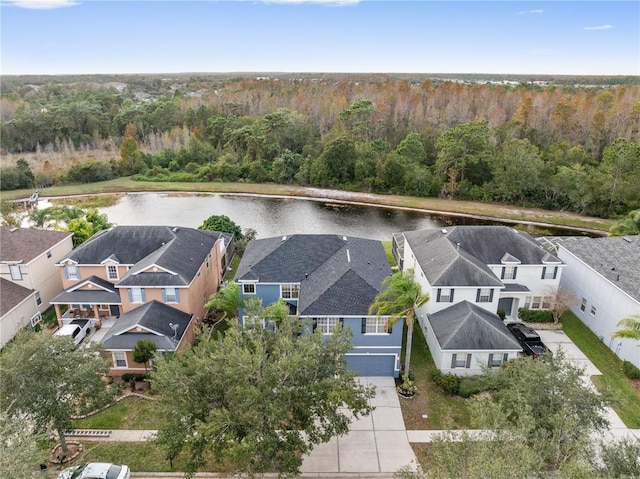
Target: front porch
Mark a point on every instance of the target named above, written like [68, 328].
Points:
[511, 299]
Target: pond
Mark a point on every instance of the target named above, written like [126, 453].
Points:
[271, 216]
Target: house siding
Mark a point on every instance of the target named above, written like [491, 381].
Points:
[611, 302]
[18, 318]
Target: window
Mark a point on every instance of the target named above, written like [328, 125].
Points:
[16, 274]
[120, 359]
[445, 295]
[38, 298]
[593, 310]
[495, 360]
[249, 288]
[546, 302]
[112, 272]
[375, 326]
[583, 305]
[103, 307]
[549, 273]
[535, 303]
[170, 295]
[460, 361]
[137, 295]
[509, 272]
[484, 295]
[289, 291]
[72, 272]
[327, 325]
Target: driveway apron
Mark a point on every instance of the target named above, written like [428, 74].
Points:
[376, 443]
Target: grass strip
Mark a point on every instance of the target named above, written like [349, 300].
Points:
[626, 401]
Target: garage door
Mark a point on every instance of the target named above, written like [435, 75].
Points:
[372, 365]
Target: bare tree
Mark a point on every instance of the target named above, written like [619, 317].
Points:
[562, 301]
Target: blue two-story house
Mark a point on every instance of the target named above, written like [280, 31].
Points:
[328, 280]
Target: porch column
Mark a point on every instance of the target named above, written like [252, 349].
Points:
[58, 314]
[96, 313]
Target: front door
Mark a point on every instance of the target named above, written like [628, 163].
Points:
[506, 304]
[114, 310]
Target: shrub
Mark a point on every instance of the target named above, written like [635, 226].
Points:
[630, 370]
[128, 377]
[472, 385]
[449, 383]
[502, 313]
[535, 315]
[407, 387]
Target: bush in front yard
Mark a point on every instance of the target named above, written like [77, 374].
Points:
[535, 315]
[472, 385]
[630, 370]
[449, 383]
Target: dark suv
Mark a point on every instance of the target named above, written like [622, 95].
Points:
[530, 341]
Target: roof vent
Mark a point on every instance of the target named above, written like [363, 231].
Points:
[344, 238]
[306, 275]
[13, 229]
[284, 238]
[444, 231]
[174, 229]
[457, 246]
[348, 257]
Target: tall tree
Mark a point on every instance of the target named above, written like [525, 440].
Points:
[258, 397]
[463, 148]
[515, 170]
[46, 377]
[398, 300]
[630, 225]
[223, 224]
[19, 440]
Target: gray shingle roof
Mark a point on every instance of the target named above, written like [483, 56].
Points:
[179, 250]
[337, 275]
[466, 326]
[11, 295]
[106, 293]
[617, 258]
[153, 316]
[25, 244]
[459, 256]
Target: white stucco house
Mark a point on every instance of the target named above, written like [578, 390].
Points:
[486, 268]
[604, 274]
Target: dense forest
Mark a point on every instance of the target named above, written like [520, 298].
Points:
[557, 143]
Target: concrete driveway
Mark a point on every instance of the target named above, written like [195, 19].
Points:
[377, 443]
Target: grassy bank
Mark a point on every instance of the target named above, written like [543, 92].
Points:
[431, 205]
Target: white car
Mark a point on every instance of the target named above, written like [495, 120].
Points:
[96, 470]
[77, 330]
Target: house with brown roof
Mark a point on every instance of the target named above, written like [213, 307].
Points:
[142, 282]
[28, 258]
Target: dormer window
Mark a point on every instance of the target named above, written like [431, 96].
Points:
[71, 272]
[112, 271]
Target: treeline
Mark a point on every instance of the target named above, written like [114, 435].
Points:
[557, 148]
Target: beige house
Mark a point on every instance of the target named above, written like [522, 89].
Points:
[17, 309]
[143, 282]
[28, 258]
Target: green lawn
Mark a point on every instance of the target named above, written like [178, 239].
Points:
[388, 248]
[130, 413]
[443, 410]
[626, 401]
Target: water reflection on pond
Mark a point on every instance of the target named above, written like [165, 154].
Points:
[273, 216]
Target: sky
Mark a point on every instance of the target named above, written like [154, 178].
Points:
[366, 36]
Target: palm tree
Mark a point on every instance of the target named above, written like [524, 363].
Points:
[399, 298]
[630, 328]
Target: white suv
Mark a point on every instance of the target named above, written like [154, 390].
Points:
[77, 330]
[96, 470]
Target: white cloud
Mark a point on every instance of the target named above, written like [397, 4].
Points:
[599, 27]
[41, 4]
[531, 12]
